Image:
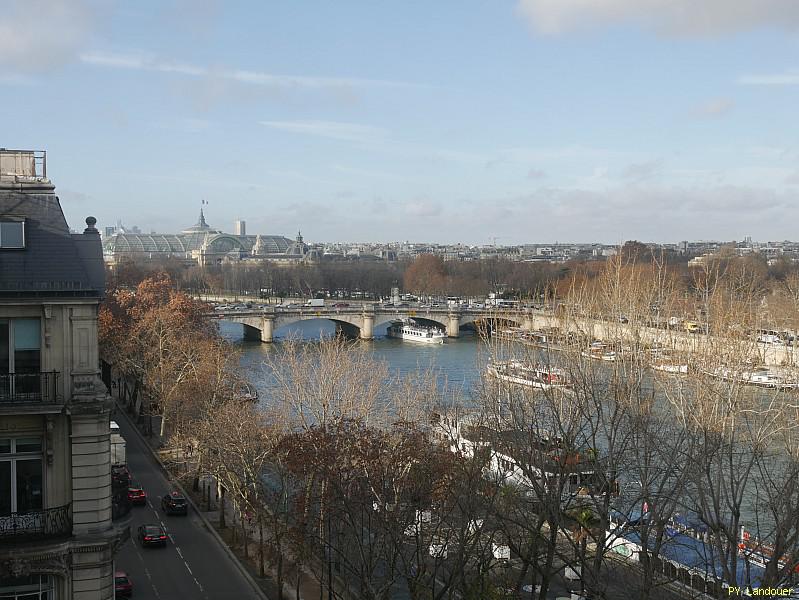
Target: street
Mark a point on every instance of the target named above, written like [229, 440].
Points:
[192, 565]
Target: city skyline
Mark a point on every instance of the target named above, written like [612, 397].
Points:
[520, 121]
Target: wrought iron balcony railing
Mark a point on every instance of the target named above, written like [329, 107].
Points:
[39, 524]
[25, 388]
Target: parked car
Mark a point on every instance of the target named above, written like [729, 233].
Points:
[340, 305]
[175, 504]
[120, 475]
[123, 586]
[151, 535]
[136, 495]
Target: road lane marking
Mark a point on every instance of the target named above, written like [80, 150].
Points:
[152, 583]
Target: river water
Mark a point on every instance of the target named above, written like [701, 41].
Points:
[457, 363]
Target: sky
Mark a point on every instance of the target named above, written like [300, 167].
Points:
[474, 121]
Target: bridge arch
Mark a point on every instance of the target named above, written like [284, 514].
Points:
[361, 321]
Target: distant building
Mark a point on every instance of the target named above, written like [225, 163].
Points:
[240, 228]
[60, 519]
[203, 245]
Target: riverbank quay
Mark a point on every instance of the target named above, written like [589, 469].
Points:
[226, 530]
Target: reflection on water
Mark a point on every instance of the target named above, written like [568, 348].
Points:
[457, 364]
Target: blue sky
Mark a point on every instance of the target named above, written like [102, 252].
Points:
[457, 120]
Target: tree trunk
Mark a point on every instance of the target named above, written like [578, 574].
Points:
[261, 570]
[221, 490]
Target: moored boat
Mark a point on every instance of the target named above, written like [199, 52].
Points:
[757, 376]
[543, 377]
[600, 351]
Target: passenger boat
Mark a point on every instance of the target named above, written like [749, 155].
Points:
[599, 351]
[543, 377]
[756, 376]
[410, 330]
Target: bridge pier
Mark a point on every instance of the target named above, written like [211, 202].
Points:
[268, 330]
[453, 325]
[368, 326]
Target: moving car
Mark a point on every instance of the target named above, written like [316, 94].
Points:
[175, 504]
[136, 495]
[123, 586]
[152, 535]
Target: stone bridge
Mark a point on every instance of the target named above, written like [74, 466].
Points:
[360, 321]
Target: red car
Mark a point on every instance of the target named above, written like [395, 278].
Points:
[123, 586]
[136, 495]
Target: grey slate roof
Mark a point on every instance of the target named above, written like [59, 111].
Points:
[54, 262]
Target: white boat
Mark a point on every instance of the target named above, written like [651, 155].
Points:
[599, 351]
[410, 330]
[541, 377]
[757, 376]
[668, 367]
[668, 363]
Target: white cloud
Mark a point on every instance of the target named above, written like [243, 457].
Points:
[645, 212]
[336, 130]
[671, 17]
[150, 62]
[790, 77]
[39, 35]
[422, 208]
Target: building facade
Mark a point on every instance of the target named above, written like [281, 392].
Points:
[58, 535]
[203, 245]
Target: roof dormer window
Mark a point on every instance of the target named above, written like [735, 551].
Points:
[12, 232]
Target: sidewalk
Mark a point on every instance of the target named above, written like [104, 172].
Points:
[309, 587]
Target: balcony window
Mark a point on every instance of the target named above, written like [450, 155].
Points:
[20, 356]
[12, 233]
[21, 476]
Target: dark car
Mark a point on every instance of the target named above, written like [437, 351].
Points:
[120, 475]
[340, 305]
[175, 504]
[152, 535]
[136, 495]
[123, 586]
